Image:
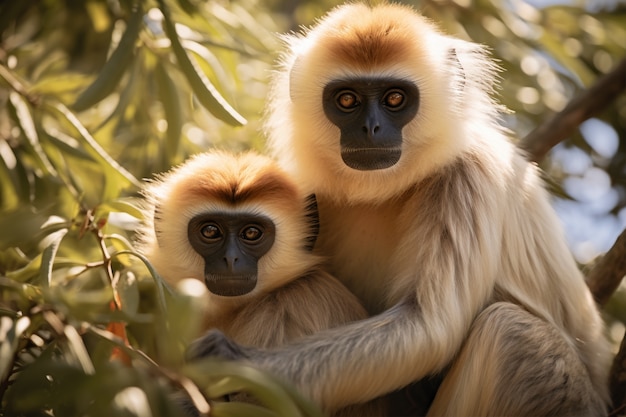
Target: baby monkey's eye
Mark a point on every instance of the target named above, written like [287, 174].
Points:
[251, 233]
[211, 232]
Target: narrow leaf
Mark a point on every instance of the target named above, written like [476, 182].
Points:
[206, 92]
[161, 285]
[27, 125]
[168, 95]
[234, 377]
[66, 144]
[48, 255]
[114, 68]
[12, 186]
[10, 333]
[128, 290]
[239, 409]
[95, 150]
[121, 206]
[78, 350]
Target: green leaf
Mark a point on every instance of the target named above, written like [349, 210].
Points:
[128, 291]
[66, 144]
[117, 176]
[206, 92]
[27, 125]
[239, 409]
[78, 350]
[24, 225]
[114, 68]
[223, 377]
[48, 255]
[13, 186]
[162, 286]
[33, 268]
[10, 333]
[168, 95]
[59, 84]
[121, 206]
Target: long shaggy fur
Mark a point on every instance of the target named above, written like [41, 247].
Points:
[460, 224]
[294, 297]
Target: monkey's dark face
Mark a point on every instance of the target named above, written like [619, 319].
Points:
[370, 113]
[231, 245]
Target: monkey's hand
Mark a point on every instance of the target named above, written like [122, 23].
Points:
[215, 343]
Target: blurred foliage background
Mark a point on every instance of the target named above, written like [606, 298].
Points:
[97, 95]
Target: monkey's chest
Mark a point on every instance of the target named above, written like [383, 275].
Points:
[360, 243]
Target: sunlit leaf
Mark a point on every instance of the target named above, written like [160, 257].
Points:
[206, 93]
[122, 206]
[78, 349]
[112, 71]
[27, 125]
[66, 144]
[59, 84]
[13, 186]
[168, 95]
[207, 61]
[117, 176]
[128, 291]
[10, 332]
[222, 377]
[48, 255]
[161, 286]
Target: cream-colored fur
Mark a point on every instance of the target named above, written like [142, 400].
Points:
[461, 223]
[293, 297]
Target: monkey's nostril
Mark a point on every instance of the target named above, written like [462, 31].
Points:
[370, 130]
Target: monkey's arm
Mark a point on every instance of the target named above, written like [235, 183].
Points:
[349, 364]
[307, 305]
[449, 278]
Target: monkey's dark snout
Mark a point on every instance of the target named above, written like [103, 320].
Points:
[230, 285]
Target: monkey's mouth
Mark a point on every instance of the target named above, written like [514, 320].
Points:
[230, 286]
[369, 159]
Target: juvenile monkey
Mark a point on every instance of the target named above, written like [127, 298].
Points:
[241, 226]
[435, 220]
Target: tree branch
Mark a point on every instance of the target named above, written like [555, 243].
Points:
[563, 124]
[608, 272]
[603, 279]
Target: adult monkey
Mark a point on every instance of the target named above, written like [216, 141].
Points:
[435, 220]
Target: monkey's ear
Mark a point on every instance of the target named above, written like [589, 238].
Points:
[157, 220]
[293, 72]
[457, 69]
[313, 221]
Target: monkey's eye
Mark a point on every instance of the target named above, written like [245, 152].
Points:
[394, 99]
[251, 233]
[347, 100]
[211, 232]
